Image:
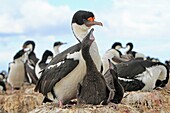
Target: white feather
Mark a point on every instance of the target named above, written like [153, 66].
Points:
[125, 79]
[74, 56]
[150, 76]
[80, 30]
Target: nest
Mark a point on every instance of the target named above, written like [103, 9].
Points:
[111, 108]
[21, 101]
[26, 100]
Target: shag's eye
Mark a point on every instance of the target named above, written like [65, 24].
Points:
[91, 19]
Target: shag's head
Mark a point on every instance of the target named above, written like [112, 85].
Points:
[58, 43]
[82, 21]
[29, 45]
[117, 45]
[129, 44]
[47, 55]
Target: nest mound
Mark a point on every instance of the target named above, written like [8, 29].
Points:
[20, 101]
[26, 100]
[111, 108]
[148, 102]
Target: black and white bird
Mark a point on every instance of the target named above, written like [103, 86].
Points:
[30, 62]
[43, 62]
[142, 75]
[114, 55]
[60, 78]
[93, 89]
[135, 54]
[56, 47]
[16, 74]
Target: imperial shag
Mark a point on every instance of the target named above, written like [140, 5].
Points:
[60, 78]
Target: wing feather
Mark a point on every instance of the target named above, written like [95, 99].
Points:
[54, 72]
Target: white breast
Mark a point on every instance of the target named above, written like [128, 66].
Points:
[38, 70]
[17, 74]
[66, 88]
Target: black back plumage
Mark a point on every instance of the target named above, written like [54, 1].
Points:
[134, 85]
[125, 69]
[131, 69]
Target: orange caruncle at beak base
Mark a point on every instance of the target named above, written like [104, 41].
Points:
[90, 22]
[91, 19]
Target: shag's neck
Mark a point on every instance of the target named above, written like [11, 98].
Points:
[44, 59]
[129, 48]
[80, 31]
[56, 50]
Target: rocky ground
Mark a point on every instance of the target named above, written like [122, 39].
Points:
[26, 100]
